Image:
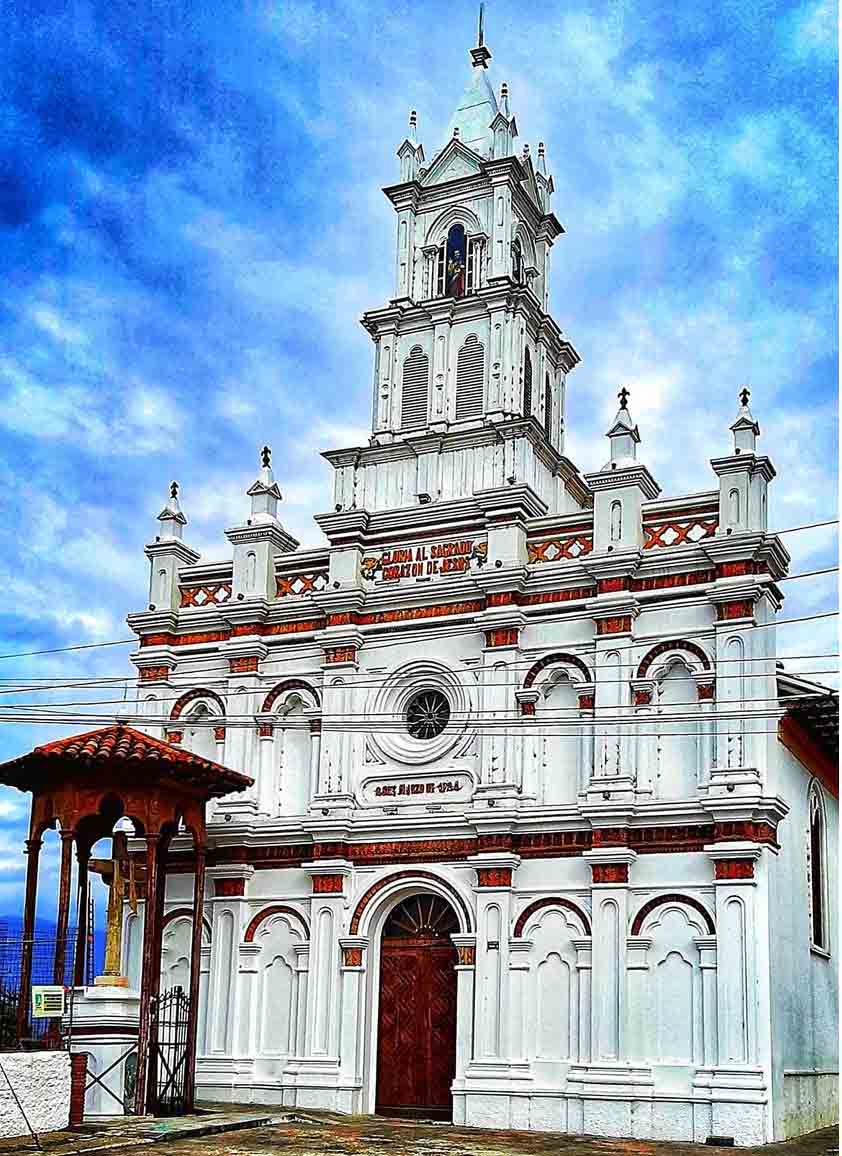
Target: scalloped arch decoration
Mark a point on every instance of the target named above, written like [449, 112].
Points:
[185, 913]
[454, 897]
[267, 913]
[674, 897]
[555, 659]
[282, 687]
[672, 644]
[193, 696]
[550, 901]
[455, 215]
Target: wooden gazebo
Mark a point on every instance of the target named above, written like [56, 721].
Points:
[86, 783]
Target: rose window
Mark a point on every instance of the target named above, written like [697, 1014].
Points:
[427, 714]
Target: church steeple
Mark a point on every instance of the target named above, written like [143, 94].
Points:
[471, 122]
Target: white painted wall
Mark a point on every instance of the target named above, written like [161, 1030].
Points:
[41, 1081]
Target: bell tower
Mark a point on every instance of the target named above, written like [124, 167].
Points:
[466, 351]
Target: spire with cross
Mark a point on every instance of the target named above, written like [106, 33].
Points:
[745, 429]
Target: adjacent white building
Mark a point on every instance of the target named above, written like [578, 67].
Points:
[541, 834]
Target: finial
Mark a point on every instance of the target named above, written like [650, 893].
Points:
[456, 132]
[540, 149]
[745, 394]
[624, 397]
[480, 38]
[265, 457]
[480, 55]
[526, 152]
[413, 120]
[173, 489]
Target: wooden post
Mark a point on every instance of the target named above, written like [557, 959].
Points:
[63, 915]
[82, 892]
[33, 850]
[150, 973]
[195, 968]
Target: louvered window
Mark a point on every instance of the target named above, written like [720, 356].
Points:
[527, 383]
[548, 409]
[415, 389]
[470, 377]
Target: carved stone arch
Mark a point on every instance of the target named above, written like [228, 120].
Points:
[285, 687]
[399, 881]
[186, 913]
[673, 897]
[268, 912]
[559, 658]
[527, 247]
[674, 644]
[551, 901]
[200, 694]
[455, 215]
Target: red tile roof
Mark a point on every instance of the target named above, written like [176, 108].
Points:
[121, 746]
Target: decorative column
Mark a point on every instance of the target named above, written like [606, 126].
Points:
[322, 1039]
[519, 968]
[150, 977]
[583, 948]
[639, 1016]
[195, 973]
[63, 913]
[586, 702]
[493, 893]
[247, 997]
[268, 787]
[645, 761]
[706, 945]
[706, 746]
[230, 917]
[82, 892]
[315, 756]
[33, 852]
[466, 954]
[352, 1031]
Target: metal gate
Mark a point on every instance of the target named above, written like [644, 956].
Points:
[168, 1076]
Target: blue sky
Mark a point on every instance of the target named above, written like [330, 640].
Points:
[191, 224]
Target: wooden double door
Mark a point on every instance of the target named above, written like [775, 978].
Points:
[416, 1038]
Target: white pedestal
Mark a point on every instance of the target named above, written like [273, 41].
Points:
[105, 1024]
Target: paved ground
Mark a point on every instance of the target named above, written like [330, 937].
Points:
[324, 1134]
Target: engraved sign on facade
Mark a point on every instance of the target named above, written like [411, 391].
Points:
[449, 557]
[442, 788]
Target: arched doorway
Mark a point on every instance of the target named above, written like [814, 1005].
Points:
[416, 1036]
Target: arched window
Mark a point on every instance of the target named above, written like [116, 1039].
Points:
[470, 378]
[517, 262]
[452, 263]
[616, 521]
[734, 508]
[415, 389]
[818, 905]
[527, 382]
[548, 409]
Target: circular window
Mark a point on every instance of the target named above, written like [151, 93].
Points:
[427, 714]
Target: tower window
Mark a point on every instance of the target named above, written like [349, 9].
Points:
[452, 263]
[548, 409]
[818, 915]
[470, 379]
[517, 262]
[527, 382]
[415, 389]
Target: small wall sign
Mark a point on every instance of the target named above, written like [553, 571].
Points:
[449, 557]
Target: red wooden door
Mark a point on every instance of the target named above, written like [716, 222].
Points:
[416, 1040]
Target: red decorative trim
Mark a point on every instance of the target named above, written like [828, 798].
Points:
[184, 913]
[746, 831]
[739, 569]
[260, 629]
[673, 897]
[573, 545]
[706, 691]
[550, 901]
[801, 744]
[494, 877]
[733, 869]
[740, 608]
[192, 696]
[246, 665]
[667, 840]
[466, 955]
[587, 702]
[168, 639]
[610, 837]
[556, 659]
[503, 598]
[154, 673]
[338, 654]
[219, 734]
[527, 708]
[377, 887]
[78, 1086]
[612, 585]
[175, 737]
[328, 884]
[573, 595]
[642, 697]
[620, 624]
[229, 888]
[610, 872]
[282, 687]
[352, 957]
[508, 636]
[315, 726]
[551, 844]
[417, 613]
[267, 912]
[672, 581]
[665, 647]
[680, 531]
[346, 618]
[298, 584]
[265, 730]
[208, 595]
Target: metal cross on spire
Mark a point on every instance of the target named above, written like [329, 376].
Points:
[173, 489]
[265, 457]
[624, 397]
[745, 394]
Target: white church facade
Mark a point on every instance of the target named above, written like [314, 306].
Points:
[541, 834]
